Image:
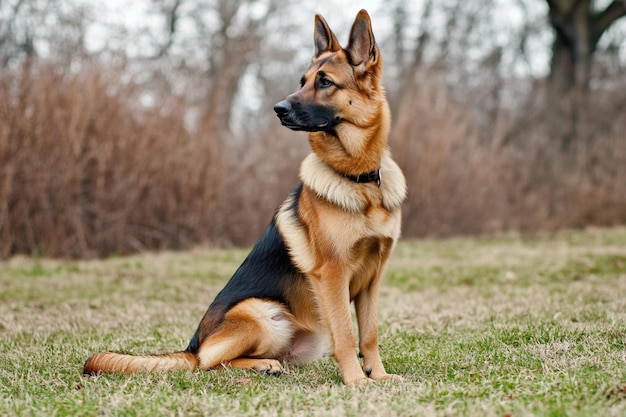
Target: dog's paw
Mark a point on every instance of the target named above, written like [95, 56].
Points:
[381, 375]
[269, 366]
[359, 381]
[388, 377]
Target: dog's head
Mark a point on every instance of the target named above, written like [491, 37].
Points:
[339, 85]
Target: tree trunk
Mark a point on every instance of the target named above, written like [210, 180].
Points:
[578, 28]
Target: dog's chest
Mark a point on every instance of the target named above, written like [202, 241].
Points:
[345, 229]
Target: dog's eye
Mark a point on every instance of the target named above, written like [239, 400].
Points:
[325, 82]
[302, 82]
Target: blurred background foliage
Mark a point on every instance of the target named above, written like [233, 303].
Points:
[150, 126]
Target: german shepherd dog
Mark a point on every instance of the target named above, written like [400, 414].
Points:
[328, 243]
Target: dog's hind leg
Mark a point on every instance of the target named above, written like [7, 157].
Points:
[253, 335]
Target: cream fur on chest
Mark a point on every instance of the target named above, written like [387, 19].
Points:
[331, 186]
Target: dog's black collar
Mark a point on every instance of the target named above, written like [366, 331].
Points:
[373, 176]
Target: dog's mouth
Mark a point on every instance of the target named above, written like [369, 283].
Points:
[306, 128]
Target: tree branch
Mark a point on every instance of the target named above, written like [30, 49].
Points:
[601, 21]
[561, 7]
[560, 15]
[171, 16]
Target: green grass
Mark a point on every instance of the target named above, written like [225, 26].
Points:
[480, 327]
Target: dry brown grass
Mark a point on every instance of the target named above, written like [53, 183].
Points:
[84, 171]
[87, 170]
[468, 176]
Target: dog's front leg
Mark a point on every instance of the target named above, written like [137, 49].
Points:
[331, 287]
[366, 305]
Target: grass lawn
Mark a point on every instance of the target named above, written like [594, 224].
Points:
[502, 326]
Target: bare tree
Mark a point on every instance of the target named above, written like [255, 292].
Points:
[578, 26]
[40, 28]
[15, 40]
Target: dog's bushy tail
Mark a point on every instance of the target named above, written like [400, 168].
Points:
[109, 362]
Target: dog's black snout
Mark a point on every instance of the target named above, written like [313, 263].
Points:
[282, 108]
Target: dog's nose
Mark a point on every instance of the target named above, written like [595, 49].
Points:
[282, 108]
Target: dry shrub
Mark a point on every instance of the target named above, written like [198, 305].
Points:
[465, 179]
[581, 184]
[452, 177]
[260, 169]
[86, 171]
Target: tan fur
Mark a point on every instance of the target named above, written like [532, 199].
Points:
[339, 235]
[348, 230]
[269, 328]
[127, 364]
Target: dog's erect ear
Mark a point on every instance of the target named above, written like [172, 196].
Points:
[325, 39]
[362, 48]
